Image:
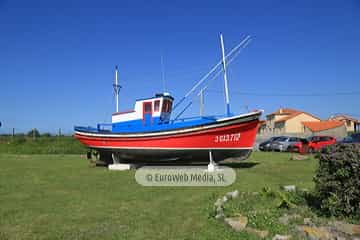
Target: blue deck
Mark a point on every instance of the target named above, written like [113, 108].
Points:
[138, 125]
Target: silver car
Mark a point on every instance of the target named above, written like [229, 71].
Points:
[281, 144]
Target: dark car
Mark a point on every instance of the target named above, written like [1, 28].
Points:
[266, 145]
[353, 138]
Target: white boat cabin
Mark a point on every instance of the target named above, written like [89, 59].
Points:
[147, 112]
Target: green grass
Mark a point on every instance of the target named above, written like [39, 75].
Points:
[41, 145]
[62, 197]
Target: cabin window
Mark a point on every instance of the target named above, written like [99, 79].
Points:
[147, 107]
[166, 106]
[157, 106]
[170, 106]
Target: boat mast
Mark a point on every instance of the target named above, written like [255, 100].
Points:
[227, 99]
[201, 102]
[116, 87]
[163, 74]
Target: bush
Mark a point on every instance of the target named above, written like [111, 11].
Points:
[18, 139]
[337, 180]
[43, 145]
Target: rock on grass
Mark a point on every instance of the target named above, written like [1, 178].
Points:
[237, 223]
[314, 233]
[259, 233]
[281, 237]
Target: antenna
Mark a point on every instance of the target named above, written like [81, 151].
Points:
[163, 73]
[227, 99]
[116, 87]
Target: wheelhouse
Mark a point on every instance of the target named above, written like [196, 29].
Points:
[147, 112]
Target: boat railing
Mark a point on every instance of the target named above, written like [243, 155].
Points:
[212, 117]
[104, 127]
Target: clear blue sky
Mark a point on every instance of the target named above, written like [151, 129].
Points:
[57, 57]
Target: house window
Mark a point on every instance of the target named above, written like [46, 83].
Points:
[157, 106]
[348, 123]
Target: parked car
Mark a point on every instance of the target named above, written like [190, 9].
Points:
[282, 144]
[353, 138]
[302, 146]
[318, 142]
[266, 145]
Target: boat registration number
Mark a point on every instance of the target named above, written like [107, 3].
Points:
[227, 137]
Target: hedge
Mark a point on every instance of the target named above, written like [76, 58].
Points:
[337, 180]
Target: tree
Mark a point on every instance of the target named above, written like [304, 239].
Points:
[34, 133]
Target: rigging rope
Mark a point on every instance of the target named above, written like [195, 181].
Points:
[231, 59]
[243, 42]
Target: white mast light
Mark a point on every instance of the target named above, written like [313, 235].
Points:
[116, 87]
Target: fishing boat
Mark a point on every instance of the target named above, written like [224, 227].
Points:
[150, 133]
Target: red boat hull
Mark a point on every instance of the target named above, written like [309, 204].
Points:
[233, 137]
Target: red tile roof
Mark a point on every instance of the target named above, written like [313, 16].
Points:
[344, 117]
[322, 125]
[292, 115]
[288, 114]
[283, 111]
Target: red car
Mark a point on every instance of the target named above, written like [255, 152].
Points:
[302, 146]
[313, 144]
[318, 142]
